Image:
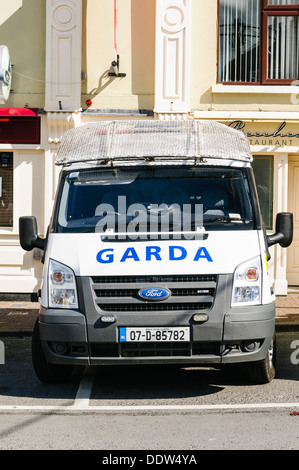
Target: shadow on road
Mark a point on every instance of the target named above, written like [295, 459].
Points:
[18, 381]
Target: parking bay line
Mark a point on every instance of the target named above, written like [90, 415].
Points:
[82, 404]
[84, 407]
[85, 389]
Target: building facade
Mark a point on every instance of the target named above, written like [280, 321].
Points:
[77, 61]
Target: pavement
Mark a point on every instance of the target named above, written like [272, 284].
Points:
[18, 317]
[287, 308]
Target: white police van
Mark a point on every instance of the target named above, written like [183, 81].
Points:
[156, 252]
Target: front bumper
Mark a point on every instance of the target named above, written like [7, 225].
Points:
[234, 335]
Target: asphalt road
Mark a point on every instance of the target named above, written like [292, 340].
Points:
[149, 408]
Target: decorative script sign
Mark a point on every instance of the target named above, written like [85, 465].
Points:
[278, 136]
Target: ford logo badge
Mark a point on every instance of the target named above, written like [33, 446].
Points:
[154, 294]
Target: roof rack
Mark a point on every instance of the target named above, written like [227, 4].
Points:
[108, 141]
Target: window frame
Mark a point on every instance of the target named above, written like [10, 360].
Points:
[273, 10]
[270, 185]
[266, 11]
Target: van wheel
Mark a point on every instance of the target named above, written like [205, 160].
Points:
[45, 371]
[262, 372]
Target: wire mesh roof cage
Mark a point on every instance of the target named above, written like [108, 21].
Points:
[125, 140]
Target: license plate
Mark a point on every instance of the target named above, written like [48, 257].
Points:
[134, 335]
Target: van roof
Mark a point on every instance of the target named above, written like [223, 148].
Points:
[107, 141]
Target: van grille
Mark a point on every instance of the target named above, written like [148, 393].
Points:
[155, 349]
[120, 293]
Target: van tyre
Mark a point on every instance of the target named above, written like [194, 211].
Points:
[45, 371]
[262, 372]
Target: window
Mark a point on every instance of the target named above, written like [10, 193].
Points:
[263, 172]
[258, 41]
[6, 189]
[157, 199]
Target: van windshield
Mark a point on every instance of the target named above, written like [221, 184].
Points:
[154, 200]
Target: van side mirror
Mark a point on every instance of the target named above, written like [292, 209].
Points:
[284, 230]
[28, 234]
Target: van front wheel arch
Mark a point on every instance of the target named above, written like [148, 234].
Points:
[45, 371]
[262, 372]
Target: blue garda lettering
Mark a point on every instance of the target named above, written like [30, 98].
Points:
[130, 253]
[153, 251]
[109, 258]
[174, 256]
[203, 253]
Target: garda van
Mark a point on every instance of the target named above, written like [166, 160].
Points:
[156, 252]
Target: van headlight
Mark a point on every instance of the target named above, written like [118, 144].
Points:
[62, 286]
[247, 283]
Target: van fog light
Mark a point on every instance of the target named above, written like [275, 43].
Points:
[59, 348]
[200, 318]
[251, 346]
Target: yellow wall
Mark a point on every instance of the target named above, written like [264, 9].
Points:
[203, 52]
[22, 29]
[136, 47]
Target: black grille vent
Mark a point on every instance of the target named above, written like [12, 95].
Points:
[151, 307]
[154, 349]
[154, 279]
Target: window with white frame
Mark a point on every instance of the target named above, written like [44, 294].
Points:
[258, 41]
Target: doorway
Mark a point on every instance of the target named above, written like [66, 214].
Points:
[293, 205]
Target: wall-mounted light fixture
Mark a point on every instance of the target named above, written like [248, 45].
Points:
[116, 73]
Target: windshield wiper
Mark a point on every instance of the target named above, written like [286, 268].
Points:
[227, 219]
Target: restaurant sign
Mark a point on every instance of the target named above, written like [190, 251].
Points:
[280, 136]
